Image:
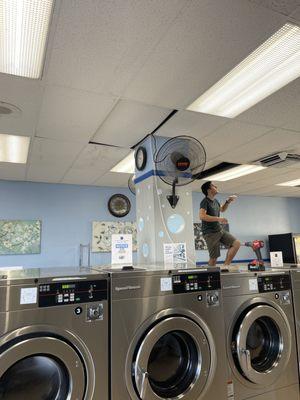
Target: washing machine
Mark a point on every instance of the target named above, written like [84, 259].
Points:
[260, 331]
[295, 277]
[53, 334]
[167, 335]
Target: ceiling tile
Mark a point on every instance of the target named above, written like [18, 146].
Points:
[25, 94]
[72, 115]
[272, 142]
[12, 172]
[191, 123]
[100, 45]
[49, 152]
[205, 42]
[47, 172]
[93, 162]
[281, 109]
[231, 136]
[113, 179]
[285, 7]
[129, 122]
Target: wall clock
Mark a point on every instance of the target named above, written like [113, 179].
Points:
[140, 158]
[119, 205]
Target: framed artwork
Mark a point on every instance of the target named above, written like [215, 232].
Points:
[102, 231]
[20, 237]
[200, 243]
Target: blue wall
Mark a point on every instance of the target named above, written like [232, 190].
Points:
[67, 212]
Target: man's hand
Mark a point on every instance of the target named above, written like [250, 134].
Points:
[223, 220]
[231, 198]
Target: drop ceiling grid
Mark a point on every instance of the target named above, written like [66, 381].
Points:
[230, 137]
[99, 46]
[204, 43]
[271, 142]
[25, 94]
[93, 162]
[129, 122]
[69, 114]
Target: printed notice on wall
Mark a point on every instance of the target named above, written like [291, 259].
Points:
[276, 259]
[28, 295]
[121, 249]
[175, 253]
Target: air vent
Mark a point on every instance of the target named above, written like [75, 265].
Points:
[279, 160]
[8, 109]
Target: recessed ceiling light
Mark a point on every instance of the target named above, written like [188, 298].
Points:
[295, 182]
[127, 165]
[267, 69]
[14, 149]
[234, 173]
[23, 35]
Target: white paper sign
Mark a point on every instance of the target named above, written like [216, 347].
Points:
[28, 295]
[253, 286]
[175, 253]
[121, 249]
[165, 284]
[276, 259]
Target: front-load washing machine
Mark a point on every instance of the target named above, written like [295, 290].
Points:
[260, 330]
[53, 334]
[295, 276]
[167, 335]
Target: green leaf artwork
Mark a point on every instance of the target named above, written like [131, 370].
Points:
[20, 237]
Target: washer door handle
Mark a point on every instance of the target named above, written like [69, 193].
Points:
[142, 383]
[247, 355]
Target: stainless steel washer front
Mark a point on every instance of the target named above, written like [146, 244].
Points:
[167, 335]
[260, 332]
[54, 335]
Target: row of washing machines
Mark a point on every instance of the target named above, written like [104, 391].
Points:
[149, 334]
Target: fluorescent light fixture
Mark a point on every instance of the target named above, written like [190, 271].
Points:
[127, 165]
[234, 173]
[23, 36]
[270, 67]
[295, 182]
[14, 149]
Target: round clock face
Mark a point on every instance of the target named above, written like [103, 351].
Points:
[140, 158]
[119, 205]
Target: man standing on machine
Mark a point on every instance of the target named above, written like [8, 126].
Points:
[212, 230]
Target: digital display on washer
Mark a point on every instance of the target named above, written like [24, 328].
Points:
[273, 283]
[58, 293]
[198, 282]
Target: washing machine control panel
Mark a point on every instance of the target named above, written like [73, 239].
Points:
[196, 282]
[63, 293]
[273, 283]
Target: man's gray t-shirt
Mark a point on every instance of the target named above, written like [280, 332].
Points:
[212, 208]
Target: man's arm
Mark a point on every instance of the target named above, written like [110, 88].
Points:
[208, 218]
[224, 206]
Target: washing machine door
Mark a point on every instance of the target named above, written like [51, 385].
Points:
[172, 361]
[263, 344]
[35, 368]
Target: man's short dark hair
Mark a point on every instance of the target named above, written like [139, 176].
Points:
[205, 187]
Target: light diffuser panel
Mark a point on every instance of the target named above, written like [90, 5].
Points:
[270, 67]
[24, 26]
[14, 149]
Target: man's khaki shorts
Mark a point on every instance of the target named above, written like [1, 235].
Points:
[214, 240]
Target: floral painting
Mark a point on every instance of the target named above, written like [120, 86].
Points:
[20, 237]
[200, 243]
[102, 231]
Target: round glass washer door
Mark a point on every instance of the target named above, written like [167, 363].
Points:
[263, 345]
[172, 361]
[41, 368]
